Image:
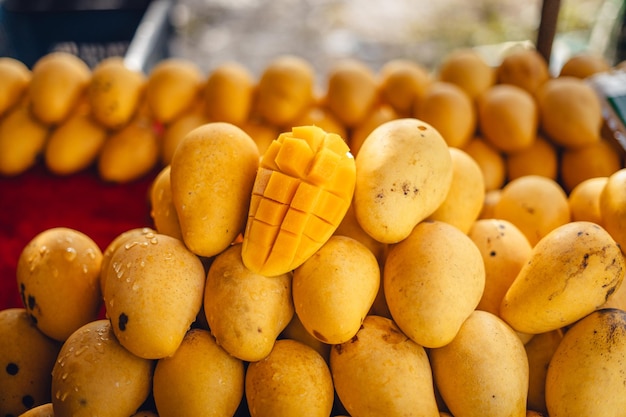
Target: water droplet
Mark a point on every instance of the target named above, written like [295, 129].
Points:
[81, 350]
[154, 240]
[149, 235]
[111, 302]
[57, 395]
[43, 250]
[70, 254]
[55, 272]
[168, 256]
[91, 253]
[142, 263]
[135, 287]
[64, 376]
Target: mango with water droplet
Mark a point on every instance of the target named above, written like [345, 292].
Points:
[58, 278]
[153, 293]
[95, 375]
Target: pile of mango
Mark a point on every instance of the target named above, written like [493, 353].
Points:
[402, 243]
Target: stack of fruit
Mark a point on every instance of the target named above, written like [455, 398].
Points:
[403, 243]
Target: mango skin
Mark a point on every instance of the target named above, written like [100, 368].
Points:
[58, 275]
[200, 379]
[372, 377]
[212, 174]
[335, 288]
[92, 368]
[483, 371]
[245, 311]
[153, 293]
[586, 374]
[292, 381]
[27, 357]
[435, 264]
[571, 272]
[58, 80]
[404, 172]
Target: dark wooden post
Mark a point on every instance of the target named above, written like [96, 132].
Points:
[547, 27]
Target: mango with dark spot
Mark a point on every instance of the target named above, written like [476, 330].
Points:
[587, 373]
[570, 273]
[27, 357]
[372, 375]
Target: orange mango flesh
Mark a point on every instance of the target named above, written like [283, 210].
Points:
[302, 191]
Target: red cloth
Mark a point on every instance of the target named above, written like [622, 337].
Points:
[37, 200]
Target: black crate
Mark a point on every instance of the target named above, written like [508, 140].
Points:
[90, 29]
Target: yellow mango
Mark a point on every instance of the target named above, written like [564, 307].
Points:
[118, 241]
[351, 91]
[483, 371]
[403, 174]
[176, 130]
[295, 330]
[44, 410]
[435, 264]
[212, 175]
[613, 207]
[284, 91]
[28, 357]
[58, 81]
[468, 69]
[466, 195]
[114, 92]
[584, 200]
[372, 378]
[228, 93]
[58, 274]
[450, 110]
[128, 153]
[92, 368]
[245, 311]
[508, 117]
[535, 204]
[302, 190]
[586, 374]
[22, 140]
[14, 80]
[523, 67]
[571, 272]
[570, 111]
[153, 292]
[504, 250]
[292, 381]
[171, 88]
[378, 116]
[74, 144]
[539, 350]
[335, 288]
[162, 208]
[402, 84]
[199, 379]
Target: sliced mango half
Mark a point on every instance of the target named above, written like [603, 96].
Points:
[302, 191]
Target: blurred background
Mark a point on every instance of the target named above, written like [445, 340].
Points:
[253, 31]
